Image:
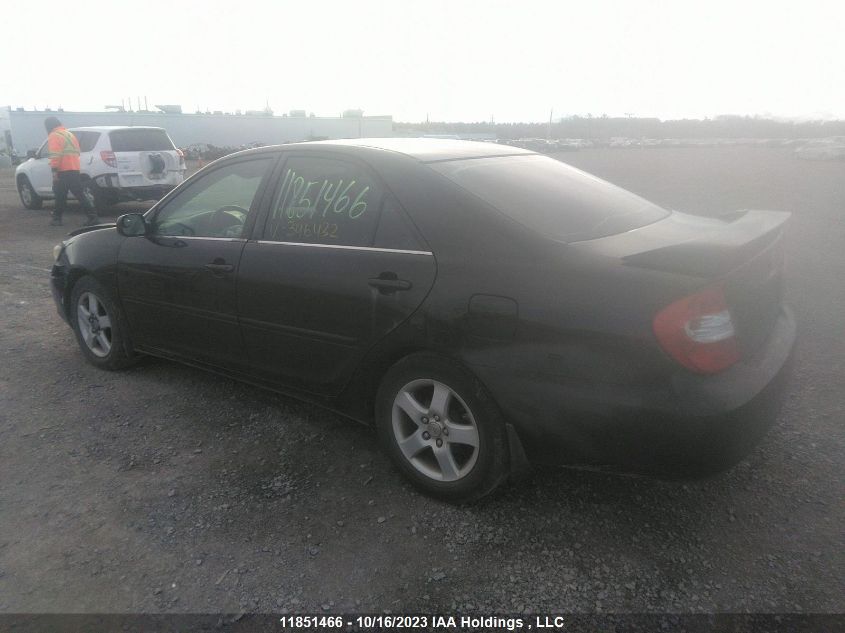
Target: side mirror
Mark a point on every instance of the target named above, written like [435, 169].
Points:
[132, 225]
[30, 153]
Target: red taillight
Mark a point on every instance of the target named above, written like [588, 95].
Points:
[181, 157]
[109, 158]
[698, 331]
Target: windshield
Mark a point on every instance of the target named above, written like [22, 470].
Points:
[140, 140]
[551, 197]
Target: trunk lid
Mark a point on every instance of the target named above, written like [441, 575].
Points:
[145, 157]
[744, 250]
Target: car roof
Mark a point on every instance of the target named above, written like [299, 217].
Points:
[426, 150]
[112, 128]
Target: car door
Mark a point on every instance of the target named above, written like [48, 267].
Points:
[316, 291]
[177, 284]
[40, 174]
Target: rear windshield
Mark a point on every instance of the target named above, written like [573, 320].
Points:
[551, 197]
[140, 140]
[87, 140]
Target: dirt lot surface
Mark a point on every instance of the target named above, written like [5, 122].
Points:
[165, 489]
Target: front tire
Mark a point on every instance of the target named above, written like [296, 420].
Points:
[29, 198]
[441, 428]
[99, 326]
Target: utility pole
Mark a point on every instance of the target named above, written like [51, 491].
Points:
[551, 114]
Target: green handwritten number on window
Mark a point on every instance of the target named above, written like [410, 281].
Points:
[338, 208]
[300, 229]
[298, 186]
[312, 206]
[279, 210]
[330, 195]
[297, 201]
[359, 207]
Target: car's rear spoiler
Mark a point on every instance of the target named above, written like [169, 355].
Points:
[694, 245]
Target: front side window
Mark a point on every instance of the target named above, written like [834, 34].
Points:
[324, 201]
[216, 205]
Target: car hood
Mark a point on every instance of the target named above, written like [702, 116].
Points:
[93, 227]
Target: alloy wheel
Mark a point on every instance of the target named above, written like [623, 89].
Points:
[26, 194]
[94, 324]
[435, 430]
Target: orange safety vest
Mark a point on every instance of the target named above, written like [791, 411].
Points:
[64, 150]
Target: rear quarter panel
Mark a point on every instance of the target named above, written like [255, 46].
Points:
[569, 304]
[582, 325]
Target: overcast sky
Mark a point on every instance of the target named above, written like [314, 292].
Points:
[453, 61]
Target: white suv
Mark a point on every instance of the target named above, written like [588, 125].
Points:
[116, 164]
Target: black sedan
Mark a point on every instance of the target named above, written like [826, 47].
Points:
[481, 305]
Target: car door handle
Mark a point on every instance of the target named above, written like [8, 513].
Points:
[390, 285]
[220, 268]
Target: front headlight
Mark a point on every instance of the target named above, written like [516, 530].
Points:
[57, 250]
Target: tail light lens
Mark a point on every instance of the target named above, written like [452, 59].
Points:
[698, 331]
[181, 157]
[109, 158]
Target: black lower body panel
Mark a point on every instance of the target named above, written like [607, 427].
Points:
[695, 426]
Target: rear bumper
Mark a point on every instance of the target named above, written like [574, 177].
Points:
[698, 425]
[111, 183]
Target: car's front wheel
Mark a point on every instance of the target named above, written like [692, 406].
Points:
[29, 198]
[99, 326]
[441, 428]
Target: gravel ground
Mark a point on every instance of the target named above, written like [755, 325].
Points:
[164, 489]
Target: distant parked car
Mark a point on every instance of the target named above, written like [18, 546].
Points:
[117, 164]
[478, 303]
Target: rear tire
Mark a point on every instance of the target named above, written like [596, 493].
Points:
[441, 428]
[100, 326]
[29, 198]
[96, 197]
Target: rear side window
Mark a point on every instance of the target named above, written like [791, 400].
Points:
[87, 140]
[551, 197]
[393, 231]
[324, 201]
[140, 140]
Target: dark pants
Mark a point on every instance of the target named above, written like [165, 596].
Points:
[69, 181]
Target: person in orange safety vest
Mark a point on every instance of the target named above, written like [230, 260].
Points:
[64, 162]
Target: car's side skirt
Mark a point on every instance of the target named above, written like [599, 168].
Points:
[303, 396]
